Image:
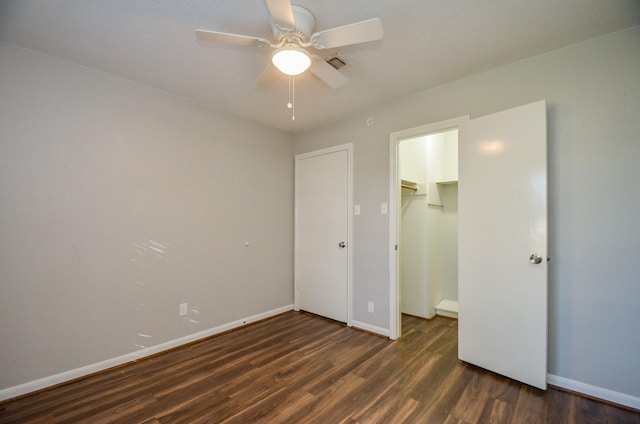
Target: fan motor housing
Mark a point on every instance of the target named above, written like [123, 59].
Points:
[304, 25]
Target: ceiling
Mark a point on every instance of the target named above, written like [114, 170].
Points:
[426, 43]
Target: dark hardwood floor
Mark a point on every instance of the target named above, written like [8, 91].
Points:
[300, 368]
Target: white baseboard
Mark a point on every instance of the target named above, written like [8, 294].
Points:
[594, 391]
[370, 328]
[45, 382]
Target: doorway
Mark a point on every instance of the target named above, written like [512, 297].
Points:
[502, 240]
[427, 248]
[422, 201]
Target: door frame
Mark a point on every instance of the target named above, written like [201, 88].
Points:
[395, 321]
[348, 147]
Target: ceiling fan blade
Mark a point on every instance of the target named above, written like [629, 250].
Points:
[358, 32]
[282, 14]
[327, 73]
[223, 37]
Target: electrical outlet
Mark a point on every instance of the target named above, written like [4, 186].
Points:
[183, 309]
[370, 307]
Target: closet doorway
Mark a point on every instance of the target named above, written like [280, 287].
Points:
[502, 240]
[428, 242]
[424, 216]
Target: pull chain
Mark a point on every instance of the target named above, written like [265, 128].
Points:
[292, 97]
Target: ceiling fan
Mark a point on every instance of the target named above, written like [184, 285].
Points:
[292, 28]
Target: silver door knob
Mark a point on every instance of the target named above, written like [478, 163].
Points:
[341, 245]
[535, 259]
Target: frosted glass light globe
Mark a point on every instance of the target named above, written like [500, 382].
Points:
[291, 59]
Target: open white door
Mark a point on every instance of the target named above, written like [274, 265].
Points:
[322, 230]
[503, 243]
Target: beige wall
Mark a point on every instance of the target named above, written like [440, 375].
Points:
[593, 95]
[117, 203]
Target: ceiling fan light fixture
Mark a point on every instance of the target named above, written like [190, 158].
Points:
[291, 59]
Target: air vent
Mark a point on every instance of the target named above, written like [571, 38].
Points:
[336, 62]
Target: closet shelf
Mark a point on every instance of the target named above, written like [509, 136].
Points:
[447, 308]
[409, 185]
[447, 182]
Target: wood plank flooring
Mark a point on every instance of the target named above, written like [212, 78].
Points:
[300, 368]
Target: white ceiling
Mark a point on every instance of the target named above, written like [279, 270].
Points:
[426, 43]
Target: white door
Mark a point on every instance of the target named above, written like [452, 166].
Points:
[503, 243]
[322, 232]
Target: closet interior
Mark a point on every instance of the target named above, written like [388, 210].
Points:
[428, 247]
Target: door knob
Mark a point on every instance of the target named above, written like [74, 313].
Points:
[535, 259]
[341, 245]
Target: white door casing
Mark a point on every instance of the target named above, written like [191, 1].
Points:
[323, 232]
[502, 221]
